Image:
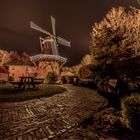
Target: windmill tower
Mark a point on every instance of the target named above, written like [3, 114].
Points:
[49, 59]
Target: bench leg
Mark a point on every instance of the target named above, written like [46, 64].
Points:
[19, 86]
[33, 86]
[23, 86]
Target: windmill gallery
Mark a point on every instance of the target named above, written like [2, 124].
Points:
[49, 60]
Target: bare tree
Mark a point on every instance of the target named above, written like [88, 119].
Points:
[4, 58]
[25, 58]
[14, 58]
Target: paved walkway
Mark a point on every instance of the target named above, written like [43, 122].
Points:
[46, 118]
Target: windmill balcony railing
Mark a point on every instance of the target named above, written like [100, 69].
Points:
[48, 57]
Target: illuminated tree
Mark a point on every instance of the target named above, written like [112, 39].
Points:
[25, 58]
[4, 58]
[14, 58]
[117, 36]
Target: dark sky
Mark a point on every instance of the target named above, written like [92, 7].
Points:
[74, 20]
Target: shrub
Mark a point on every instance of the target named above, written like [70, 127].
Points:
[52, 77]
[108, 120]
[63, 79]
[11, 78]
[67, 79]
[86, 72]
[134, 86]
[131, 111]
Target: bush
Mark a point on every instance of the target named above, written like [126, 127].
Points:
[63, 79]
[86, 72]
[134, 86]
[11, 78]
[67, 79]
[131, 111]
[52, 77]
[108, 120]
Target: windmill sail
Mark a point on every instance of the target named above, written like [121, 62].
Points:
[55, 48]
[36, 27]
[50, 44]
[63, 42]
[53, 25]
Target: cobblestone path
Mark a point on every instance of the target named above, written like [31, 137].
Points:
[46, 118]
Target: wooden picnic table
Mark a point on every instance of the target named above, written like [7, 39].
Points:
[27, 82]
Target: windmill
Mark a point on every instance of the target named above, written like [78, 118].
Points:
[49, 56]
[52, 41]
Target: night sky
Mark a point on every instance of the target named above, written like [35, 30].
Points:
[74, 20]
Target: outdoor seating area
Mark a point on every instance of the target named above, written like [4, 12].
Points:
[27, 82]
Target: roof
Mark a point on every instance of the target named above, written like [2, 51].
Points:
[2, 70]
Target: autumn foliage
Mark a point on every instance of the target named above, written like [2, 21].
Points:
[14, 58]
[117, 36]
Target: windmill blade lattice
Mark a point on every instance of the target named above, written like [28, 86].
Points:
[63, 42]
[53, 25]
[36, 27]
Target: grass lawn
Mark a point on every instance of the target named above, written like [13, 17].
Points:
[9, 94]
